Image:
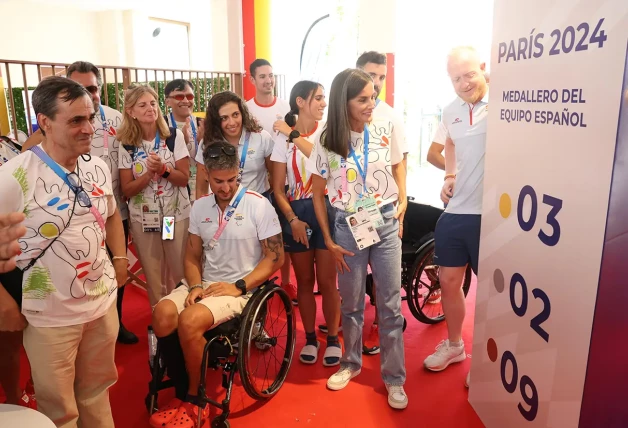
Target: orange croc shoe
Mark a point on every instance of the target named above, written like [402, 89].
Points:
[164, 415]
[187, 416]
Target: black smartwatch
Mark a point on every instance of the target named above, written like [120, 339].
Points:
[166, 173]
[241, 285]
[294, 134]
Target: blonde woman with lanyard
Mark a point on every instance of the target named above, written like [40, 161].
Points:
[154, 171]
[360, 162]
[303, 238]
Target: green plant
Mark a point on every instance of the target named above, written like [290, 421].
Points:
[207, 86]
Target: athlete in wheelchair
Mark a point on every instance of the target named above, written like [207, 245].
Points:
[225, 314]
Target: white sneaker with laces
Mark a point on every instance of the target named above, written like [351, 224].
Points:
[397, 398]
[444, 356]
[341, 378]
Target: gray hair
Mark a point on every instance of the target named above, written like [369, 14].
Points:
[84, 67]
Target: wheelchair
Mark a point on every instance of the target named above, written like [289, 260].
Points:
[258, 345]
[419, 274]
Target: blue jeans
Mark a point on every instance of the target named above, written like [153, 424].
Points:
[385, 261]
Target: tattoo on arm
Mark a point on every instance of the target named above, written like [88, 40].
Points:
[273, 244]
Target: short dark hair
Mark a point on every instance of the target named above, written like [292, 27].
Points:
[84, 67]
[260, 62]
[177, 85]
[213, 128]
[222, 161]
[53, 89]
[370, 56]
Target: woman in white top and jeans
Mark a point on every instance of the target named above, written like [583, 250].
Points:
[303, 238]
[338, 162]
[154, 178]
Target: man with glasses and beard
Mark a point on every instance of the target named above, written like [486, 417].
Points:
[105, 146]
[68, 282]
[229, 254]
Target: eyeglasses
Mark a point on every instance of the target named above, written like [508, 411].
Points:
[77, 188]
[181, 97]
[92, 89]
[215, 151]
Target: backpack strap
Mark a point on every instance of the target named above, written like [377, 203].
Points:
[170, 140]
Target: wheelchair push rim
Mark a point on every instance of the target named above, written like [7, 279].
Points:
[266, 344]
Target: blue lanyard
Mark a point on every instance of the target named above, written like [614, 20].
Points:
[157, 142]
[377, 100]
[53, 166]
[245, 149]
[173, 123]
[103, 119]
[362, 171]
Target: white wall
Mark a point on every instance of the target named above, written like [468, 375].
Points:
[119, 33]
[44, 32]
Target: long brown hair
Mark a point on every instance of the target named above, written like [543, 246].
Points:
[130, 132]
[346, 86]
[213, 129]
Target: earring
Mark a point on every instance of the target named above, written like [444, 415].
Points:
[134, 118]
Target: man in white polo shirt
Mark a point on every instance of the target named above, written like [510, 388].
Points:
[265, 106]
[267, 109]
[234, 246]
[457, 234]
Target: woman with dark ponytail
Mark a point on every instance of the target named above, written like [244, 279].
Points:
[303, 238]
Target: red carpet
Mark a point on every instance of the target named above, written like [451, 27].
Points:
[435, 399]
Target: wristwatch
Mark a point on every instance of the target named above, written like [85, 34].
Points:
[166, 172]
[294, 134]
[241, 285]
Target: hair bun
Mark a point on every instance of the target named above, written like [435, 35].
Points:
[290, 119]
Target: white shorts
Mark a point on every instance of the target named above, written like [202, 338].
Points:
[223, 308]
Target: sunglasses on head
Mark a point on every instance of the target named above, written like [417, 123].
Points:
[215, 151]
[181, 97]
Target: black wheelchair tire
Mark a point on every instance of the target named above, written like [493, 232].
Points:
[424, 255]
[251, 313]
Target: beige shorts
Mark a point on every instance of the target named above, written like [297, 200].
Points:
[223, 308]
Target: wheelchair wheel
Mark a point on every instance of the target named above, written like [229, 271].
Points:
[266, 342]
[424, 288]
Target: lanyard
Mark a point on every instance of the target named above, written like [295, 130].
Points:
[173, 123]
[64, 176]
[361, 171]
[377, 100]
[105, 130]
[245, 149]
[226, 218]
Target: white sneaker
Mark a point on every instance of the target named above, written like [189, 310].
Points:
[467, 381]
[341, 378]
[397, 398]
[444, 356]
